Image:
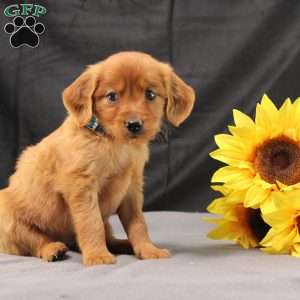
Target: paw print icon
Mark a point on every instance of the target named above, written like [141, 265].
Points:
[24, 31]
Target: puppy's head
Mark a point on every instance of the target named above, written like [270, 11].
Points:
[129, 93]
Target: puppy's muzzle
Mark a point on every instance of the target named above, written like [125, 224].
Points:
[134, 126]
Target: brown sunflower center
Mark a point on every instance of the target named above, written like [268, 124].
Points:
[278, 159]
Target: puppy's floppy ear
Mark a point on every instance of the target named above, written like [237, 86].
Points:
[180, 99]
[77, 97]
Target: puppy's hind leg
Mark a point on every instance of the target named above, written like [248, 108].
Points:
[8, 242]
[19, 238]
[35, 243]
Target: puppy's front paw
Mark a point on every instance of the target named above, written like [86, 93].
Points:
[149, 251]
[99, 259]
[54, 251]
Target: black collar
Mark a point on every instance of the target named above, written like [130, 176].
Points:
[94, 125]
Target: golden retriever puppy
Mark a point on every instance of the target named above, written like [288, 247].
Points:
[65, 188]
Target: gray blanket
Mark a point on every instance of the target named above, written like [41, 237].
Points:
[199, 269]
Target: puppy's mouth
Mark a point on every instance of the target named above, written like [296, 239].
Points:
[141, 137]
[135, 136]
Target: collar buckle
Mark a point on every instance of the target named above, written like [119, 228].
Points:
[94, 125]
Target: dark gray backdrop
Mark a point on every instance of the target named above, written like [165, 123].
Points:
[230, 51]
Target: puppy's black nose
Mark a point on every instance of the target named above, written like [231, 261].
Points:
[134, 126]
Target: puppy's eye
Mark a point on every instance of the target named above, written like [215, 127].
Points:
[112, 97]
[150, 95]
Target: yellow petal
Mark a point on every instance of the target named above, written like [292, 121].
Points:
[287, 200]
[221, 232]
[297, 239]
[262, 134]
[228, 142]
[213, 220]
[296, 250]
[229, 174]
[231, 215]
[267, 206]
[278, 219]
[247, 242]
[291, 133]
[255, 196]
[235, 197]
[285, 114]
[283, 224]
[296, 105]
[282, 240]
[295, 186]
[246, 134]
[241, 183]
[225, 155]
[295, 253]
[270, 250]
[268, 105]
[235, 178]
[241, 119]
[263, 184]
[285, 241]
[269, 111]
[262, 119]
[220, 188]
[218, 206]
[267, 240]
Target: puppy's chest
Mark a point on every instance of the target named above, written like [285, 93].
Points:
[114, 191]
[116, 181]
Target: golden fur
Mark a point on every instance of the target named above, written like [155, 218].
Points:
[65, 188]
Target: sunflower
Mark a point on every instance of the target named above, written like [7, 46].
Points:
[284, 236]
[243, 225]
[262, 156]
